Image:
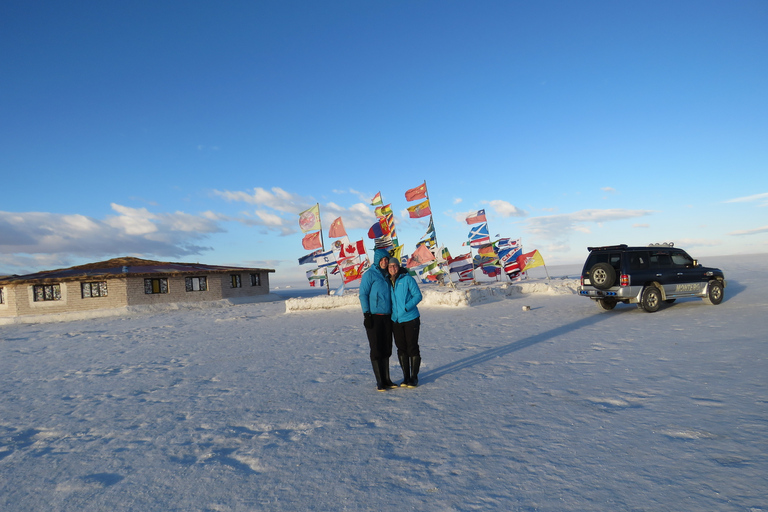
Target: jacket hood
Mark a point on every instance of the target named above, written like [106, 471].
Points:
[377, 255]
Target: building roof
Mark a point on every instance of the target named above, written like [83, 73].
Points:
[124, 267]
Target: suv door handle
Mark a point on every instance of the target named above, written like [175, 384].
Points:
[680, 273]
[658, 275]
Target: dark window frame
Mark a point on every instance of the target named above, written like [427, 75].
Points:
[162, 282]
[202, 283]
[235, 281]
[255, 279]
[91, 286]
[50, 292]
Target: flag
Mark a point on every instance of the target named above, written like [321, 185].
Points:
[420, 256]
[430, 230]
[460, 263]
[380, 228]
[446, 254]
[429, 242]
[325, 259]
[397, 252]
[482, 261]
[311, 241]
[381, 211]
[309, 258]
[318, 273]
[352, 250]
[530, 260]
[474, 218]
[309, 220]
[419, 192]
[491, 271]
[383, 242]
[352, 273]
[478, 235]
[320, 281]
[420, 210]
[377, 199]
[466, 275]
[486, 250]
[507, 243]
[337, 229]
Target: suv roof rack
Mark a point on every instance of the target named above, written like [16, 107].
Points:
[662, 244]
[606, 247]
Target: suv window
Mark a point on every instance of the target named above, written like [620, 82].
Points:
[680, 259]
[612, 258]
[661, 261]
[638, 261]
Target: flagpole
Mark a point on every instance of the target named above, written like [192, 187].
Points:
[322, 245]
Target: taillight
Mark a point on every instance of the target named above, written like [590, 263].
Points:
[624, 280]
[582, 280]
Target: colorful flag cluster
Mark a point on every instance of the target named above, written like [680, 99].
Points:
[383, 230]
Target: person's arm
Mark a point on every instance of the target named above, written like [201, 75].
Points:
[415, 294]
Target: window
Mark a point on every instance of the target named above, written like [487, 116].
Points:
[638, 261]
[156, 285]
[661, 261]
[90, 290]
[44, 292]
[196, 284]
[236, 281]
[2, 299]
[255, 279]
[680, 259]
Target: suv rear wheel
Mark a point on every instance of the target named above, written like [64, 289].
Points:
[602, 275]
[607, 304]
[651, 299]
[714, 293]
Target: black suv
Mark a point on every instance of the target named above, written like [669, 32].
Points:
[646, 276]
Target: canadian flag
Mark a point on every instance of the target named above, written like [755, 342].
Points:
[352, 250]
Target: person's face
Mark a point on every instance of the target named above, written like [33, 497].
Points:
[394, 269]
[383, 263]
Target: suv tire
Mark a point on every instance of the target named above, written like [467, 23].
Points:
[714, 293]
[602, 275]
[607, 304]
[651, 299]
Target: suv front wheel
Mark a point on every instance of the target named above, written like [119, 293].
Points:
[651, 299]
[714, 293]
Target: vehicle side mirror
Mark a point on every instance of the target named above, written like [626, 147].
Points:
[695, 263]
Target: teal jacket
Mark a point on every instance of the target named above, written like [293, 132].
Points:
[405, 295]
[375, 288]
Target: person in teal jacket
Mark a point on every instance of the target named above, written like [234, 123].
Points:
[406, 321]
[376, 301]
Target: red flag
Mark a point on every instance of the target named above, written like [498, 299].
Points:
[353, 272]
[312, 241]
[379, 229]
[352, 250]
[337, 229]
[419, 192]
[420, 256]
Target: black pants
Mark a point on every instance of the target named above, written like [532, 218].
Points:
[407, 337]
[380, 337]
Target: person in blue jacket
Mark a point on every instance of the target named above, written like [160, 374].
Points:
[376, 301]
[406, 321]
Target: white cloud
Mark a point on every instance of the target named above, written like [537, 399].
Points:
[609, 190]
[755, 231]
[763, 198]
[558, 226]
[505, 208]
[457, 200]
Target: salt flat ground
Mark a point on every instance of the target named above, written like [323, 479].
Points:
[561, 408]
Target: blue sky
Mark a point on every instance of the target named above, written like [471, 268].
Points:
[197, 131]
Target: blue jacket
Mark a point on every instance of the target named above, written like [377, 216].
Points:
[375, 288]
[405, 295]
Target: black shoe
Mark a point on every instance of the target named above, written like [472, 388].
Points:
[376, 363]
[385, 379]
[405, 364]
[415, 363]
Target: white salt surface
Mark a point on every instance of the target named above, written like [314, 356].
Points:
[247, 407]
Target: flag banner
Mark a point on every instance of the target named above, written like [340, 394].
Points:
[312, 241]
[376, 201]
[512, 267]
[460, 263]
[419, 210]
[466, 275]
[430, 230]
[445, 254]
[337, 229]
[352, 250]
[325, 259]
[320, 283]
[309, 258]
[334, 270]
[419, 192]
[397, 252]
[474, 218]
[382, 211]
[336, 246]
[352, 273]
[530, 260]
[379, 229]
[478, 235]
[383, 242]
[486, 250]
[491, 271]
[318, 273]
[483, 261]
[508, 255]
[309, 220]
[431, 243]
[507, 243]
[420, 256]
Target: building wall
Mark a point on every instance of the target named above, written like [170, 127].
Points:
[19, 299]
[218, 287]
